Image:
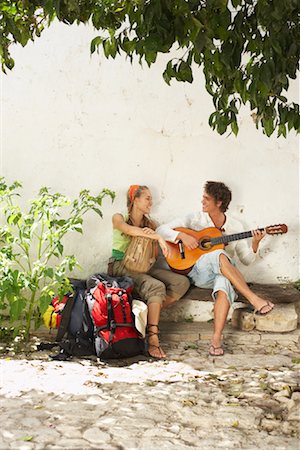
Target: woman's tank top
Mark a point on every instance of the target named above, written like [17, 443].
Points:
[120, 242]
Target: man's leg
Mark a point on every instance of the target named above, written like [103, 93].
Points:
[221, 309]
[238, 281]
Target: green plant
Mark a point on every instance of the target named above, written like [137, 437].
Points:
[297, 285]
[33, 266]
[189, 318]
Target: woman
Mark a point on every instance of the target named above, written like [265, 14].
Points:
[158, 287]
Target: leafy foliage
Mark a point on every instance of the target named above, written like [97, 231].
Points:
[33, 266]
[248, 49]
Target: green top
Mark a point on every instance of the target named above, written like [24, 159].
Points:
[120, 242]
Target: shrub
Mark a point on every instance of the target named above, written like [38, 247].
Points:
[33, 266]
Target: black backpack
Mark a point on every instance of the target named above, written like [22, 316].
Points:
[75, 335]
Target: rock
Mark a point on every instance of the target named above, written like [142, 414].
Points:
[243, 319]
[270, 424]
[297, 306]
[293, 415]
[283, 318]
[282, 396]
[296, 397]
[96, 436]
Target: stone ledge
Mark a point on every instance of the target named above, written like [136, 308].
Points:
[278, 293]
[197, 304]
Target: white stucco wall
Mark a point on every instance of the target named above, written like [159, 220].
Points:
[71, 121]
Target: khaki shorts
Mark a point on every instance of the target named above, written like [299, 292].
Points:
[154, 286]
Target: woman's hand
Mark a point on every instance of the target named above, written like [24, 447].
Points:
[164, 247]
[147, 230]
[257, 237]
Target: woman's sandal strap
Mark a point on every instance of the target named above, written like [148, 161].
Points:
[152, 333]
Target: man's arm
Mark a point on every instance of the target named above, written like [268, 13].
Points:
[248, 254]
[169, 234]
[257, 237]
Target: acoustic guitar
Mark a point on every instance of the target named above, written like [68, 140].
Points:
[181, 259]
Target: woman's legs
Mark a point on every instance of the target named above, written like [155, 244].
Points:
[154, 348]
[175, 283]
[153, 291]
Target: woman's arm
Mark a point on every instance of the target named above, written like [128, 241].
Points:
[120, 224]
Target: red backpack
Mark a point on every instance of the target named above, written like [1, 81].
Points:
[109, 302]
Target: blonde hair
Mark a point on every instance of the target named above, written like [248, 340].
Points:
[134, 192]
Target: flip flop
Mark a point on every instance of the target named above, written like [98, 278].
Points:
[260, 312]
[213, 352]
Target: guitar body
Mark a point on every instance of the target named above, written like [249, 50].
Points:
[180, 265]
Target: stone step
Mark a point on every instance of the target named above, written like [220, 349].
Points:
[176, 332]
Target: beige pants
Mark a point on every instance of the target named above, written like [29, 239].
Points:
[154, 286]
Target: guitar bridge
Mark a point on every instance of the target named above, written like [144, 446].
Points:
[181, 250]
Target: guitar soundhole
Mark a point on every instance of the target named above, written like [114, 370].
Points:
[205, 243]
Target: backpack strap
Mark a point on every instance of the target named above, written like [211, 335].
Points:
[111, 324]
[116, 325]
[65, 317]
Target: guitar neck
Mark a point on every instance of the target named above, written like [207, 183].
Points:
[232, 237]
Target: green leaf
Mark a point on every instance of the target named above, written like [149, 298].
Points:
[44, 302]
[60, 248]
[16, 309]
[95, 43]
[234, 127]
[106, 48]
[201, 41]
[268, 125]
[49, 272]
[184, 72]
[282, 130]
[98, 211]
[25, 438]
[150, 57]
[222, 123]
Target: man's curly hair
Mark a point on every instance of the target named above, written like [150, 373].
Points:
[220, 192]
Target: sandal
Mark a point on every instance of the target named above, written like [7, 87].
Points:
[213, 350]
[150, 333]
[260, 312]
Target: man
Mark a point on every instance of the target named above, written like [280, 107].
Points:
[216, 269]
